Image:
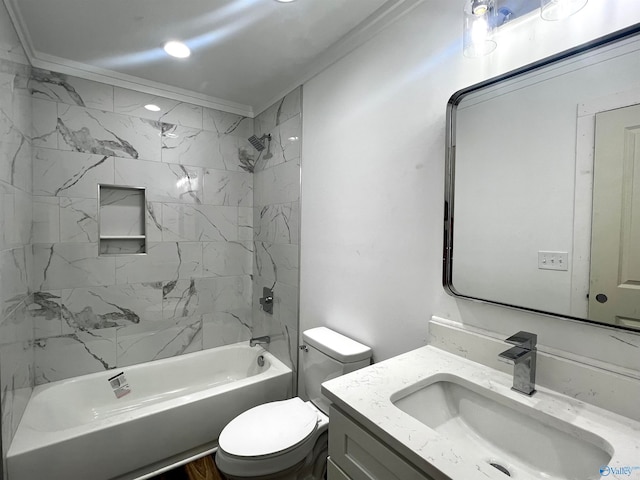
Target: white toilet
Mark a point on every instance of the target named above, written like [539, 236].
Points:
[287, 440]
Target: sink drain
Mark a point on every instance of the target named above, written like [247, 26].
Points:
[501, 468]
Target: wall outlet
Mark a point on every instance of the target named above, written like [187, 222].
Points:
[553, 260]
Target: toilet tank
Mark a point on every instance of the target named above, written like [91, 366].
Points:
[327, 355]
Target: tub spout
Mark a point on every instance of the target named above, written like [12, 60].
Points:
[259, 341]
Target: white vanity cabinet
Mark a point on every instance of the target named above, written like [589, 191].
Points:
[356, 454]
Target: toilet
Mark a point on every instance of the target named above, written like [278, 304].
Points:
[287, 440]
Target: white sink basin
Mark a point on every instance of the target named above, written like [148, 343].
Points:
[509, 435]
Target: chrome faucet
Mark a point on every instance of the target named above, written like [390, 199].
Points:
[523, 357]
[260, 341]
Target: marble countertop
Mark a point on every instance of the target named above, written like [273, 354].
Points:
[365, 395]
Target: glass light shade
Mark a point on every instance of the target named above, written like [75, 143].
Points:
[479, 28]
[559, 9]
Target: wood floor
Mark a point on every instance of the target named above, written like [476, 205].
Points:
[201, 469]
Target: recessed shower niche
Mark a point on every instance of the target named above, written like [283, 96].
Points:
[121, 220]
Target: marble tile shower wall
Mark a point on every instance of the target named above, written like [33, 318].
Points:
[276, 223]
[16, 324]
[193, 288]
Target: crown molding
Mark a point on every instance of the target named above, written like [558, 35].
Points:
[367, 29]
[89, 72]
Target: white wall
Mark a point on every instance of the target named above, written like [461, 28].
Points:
[373, 176]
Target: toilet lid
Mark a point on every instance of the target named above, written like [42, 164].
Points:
[269, 428]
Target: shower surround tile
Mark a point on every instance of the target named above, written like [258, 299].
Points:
[224, 123]
[277, 223]
[279, 112]
[284, 145]
[276, 263]
[75, 354]
[276, 197]
[14, 280]
[194, 287]
[222, 187]
[165, 182]
[163, 262]
[198, 296]
[70, 265]
[78, 220]
[224, 328]
[245, 224]
[59, 173]
[201, 148]
[133, 103]
[166, 339]
[46, 220]
[46, 311]
[44, 123]
[17, 324]
[17, 374]
[17, 362]
[199, 223]
[109, 134]
[153, 221]
[222, 259]
[15, 216]
[110, 306]
[279, 184]
[15, 163]
[69, 90]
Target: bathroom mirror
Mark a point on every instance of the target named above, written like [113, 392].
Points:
[542, 207]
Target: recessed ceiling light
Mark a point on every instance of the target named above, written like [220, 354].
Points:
[177, 49]
[285, 1]
[152, 108]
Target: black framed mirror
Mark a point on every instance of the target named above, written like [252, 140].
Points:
[542, 187]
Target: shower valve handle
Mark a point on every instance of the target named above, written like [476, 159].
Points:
[267, 300]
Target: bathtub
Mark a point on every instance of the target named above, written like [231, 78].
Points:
[107, 425]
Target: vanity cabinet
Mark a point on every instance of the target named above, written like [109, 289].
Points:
[355, 454]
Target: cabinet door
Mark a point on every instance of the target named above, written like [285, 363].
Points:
[334, 472]
[361, 456]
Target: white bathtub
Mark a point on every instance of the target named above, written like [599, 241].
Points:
[78, 429]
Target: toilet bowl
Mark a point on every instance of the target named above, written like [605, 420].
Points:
[287, 440]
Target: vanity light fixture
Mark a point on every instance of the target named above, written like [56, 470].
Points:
[285, 1]
[152, 107]
[479, 27]
[482, 18]
[559, 9]
[177, 49]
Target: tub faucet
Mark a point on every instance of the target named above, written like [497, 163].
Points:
[260, 341]
[523, 357]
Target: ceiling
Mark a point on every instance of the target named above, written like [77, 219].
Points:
[245, 53]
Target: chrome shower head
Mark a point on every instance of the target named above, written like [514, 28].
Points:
[258, 143]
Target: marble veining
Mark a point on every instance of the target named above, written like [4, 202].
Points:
[17, 376]
[61, 88]
[41, 78]
[105, 133]
[71, 174]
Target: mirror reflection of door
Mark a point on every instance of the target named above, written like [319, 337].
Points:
[614, 293]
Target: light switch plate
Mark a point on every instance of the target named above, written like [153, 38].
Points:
[553, 260]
